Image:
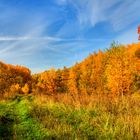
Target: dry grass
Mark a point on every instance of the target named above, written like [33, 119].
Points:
[104, 117]
[67, 117]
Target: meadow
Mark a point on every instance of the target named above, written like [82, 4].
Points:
[96, 99]
[42, 117]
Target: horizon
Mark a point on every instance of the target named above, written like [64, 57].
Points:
[57, 33]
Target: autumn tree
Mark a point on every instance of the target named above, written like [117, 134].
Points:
[116, 71]
[96, 77]
[73, 82]
[48, 81]
[12, 75]
[25, 89]
[85, 73]
[120, 69]
[65, 78]
[134, 52]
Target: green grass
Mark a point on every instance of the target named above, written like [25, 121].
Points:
[31, 119]
[15, 119]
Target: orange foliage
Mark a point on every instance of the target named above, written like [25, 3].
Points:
[114, 71]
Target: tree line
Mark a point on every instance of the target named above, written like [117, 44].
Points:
[113, 71]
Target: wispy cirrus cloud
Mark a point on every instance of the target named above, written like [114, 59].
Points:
[20, 38]
[118, 13]
[61, 32]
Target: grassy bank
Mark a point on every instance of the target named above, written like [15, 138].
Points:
[34, 117]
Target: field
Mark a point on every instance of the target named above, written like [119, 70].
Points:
[42, 117]
[96, 99]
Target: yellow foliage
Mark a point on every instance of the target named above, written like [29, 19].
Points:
[72, 82]
[14, 88]
[116, 71]
[25, 89]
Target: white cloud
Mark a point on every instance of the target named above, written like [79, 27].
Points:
[117, 12]
[6, 38]
[61, 2]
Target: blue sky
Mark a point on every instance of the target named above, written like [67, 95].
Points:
[41, 34]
